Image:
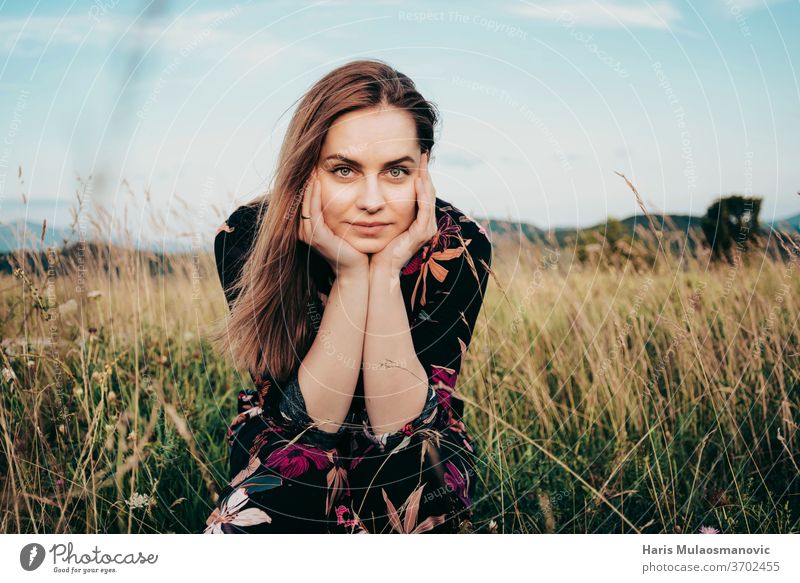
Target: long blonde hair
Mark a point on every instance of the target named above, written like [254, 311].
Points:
[268, 329]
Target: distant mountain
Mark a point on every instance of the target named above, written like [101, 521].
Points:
[11, 240]
[788, 223]
[666, 223]
[20, 234]
[563, 235]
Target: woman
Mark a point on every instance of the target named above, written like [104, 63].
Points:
[353, 334]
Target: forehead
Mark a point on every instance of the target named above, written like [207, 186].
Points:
[372, 135]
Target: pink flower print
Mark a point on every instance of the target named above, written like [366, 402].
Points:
[231, 512]
[455, 482]
[341, 510]
[444, 379]
[708, 530]
[414, 263]
[448, 229]
[295, 459]
[444, 375]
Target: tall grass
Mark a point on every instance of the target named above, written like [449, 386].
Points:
[641, 390]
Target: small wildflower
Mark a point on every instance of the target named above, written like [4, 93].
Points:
[492, 526]
[7, 346]
[112, 397]
[68, 307]
[708, 530]
[60, 483]
[139, 501]
[8, 375]
[92, 330]
[98, 377]
[77, 391]
[31, 364]
[62, 429]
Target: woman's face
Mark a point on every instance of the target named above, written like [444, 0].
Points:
[367, 167]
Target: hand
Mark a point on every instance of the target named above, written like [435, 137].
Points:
[403, 247]
[316, 234]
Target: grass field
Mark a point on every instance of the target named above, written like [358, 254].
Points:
[634, 392]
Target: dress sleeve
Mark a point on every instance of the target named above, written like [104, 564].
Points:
[232, 245]
[443, 326]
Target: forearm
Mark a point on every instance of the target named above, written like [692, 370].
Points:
[395, 382]
[329, 372]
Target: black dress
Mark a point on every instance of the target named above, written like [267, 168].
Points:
[287, 475]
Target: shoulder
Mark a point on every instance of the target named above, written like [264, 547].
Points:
[237, 232]
[233, 241]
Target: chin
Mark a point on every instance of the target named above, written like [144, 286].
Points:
[368, 247]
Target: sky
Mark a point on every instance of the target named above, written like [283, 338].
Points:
[140, 105]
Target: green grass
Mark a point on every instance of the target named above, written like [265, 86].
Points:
[655, 395]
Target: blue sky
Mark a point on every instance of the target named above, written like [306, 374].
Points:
[541, 101]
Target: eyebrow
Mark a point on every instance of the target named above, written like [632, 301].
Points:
[342, 158]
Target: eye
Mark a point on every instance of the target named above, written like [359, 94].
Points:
[403, 169]
[335, 170]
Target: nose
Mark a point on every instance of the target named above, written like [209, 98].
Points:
[369, 198]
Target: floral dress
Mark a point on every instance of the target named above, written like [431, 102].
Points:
[288, 476]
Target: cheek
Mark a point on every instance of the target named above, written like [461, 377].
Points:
[335, 206]
[406, 209]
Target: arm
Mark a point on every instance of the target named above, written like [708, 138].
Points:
[329, 372]
[322, 369]
[396, 379]
[431, 351]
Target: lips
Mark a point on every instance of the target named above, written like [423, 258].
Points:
[369, 228]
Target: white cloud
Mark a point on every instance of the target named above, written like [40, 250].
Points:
[30, 36]
[748, 5]
[602, 13]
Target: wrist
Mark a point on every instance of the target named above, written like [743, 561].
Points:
[381, 272]
[354, 273]
[382, 264]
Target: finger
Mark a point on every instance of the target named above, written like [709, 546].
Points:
[316, 206]
[422, 178]
[423, 205]
[428, 179]
[305, 227]
[431, 191]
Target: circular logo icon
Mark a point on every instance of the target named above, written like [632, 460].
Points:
[31, 556]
